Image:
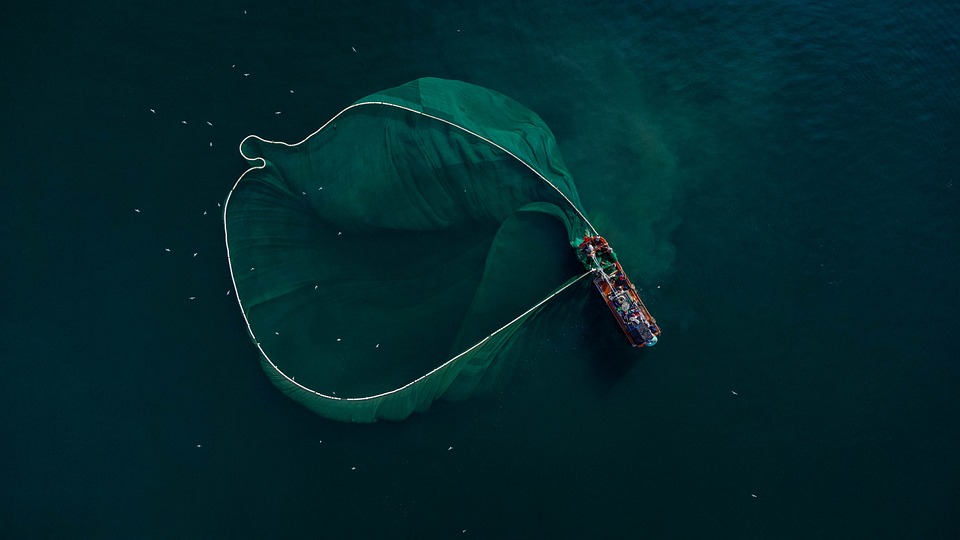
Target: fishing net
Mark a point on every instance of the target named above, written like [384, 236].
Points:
[388, 259]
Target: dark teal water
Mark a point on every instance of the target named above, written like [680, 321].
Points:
[779, 176]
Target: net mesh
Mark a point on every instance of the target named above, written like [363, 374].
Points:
[388, 259]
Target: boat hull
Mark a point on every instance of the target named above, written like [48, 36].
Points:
[619, 293]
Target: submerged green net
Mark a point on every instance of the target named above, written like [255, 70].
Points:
[388, 259]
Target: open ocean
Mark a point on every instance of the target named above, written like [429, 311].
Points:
[778, 176]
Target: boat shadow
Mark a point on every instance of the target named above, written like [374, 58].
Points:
[604, 348]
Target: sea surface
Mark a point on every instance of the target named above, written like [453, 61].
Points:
[778, 176]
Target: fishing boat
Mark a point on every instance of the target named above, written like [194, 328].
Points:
[618, 292]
